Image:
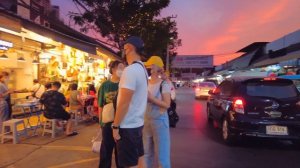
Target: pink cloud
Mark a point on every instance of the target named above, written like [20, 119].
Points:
[223, 58]
[225, 26]
[213, 44]
[250, 24]
[274, 13]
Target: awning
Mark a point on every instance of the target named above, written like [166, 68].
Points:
[10, 23]
[290, 56]
[60, 37]
[243, 61]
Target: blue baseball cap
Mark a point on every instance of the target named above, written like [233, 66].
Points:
[137, 42]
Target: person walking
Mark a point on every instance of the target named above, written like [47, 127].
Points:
[131, 105]
[106, 94]
[4, 93]
[156, 130]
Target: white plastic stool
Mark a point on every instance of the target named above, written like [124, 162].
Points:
[50, 127]
[76, 115]
[12, 125]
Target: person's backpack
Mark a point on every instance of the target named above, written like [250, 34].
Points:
[173, 116]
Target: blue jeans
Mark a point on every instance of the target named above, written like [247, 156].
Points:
[4, 113]
[157, 143]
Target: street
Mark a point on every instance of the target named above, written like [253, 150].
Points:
[198, 145]
[194, 145]
[65, 62]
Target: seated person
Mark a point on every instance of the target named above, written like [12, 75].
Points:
[91, 102]
[54, 103]
[48, 86]
[75, 101]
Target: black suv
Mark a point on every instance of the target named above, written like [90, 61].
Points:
[259, 107]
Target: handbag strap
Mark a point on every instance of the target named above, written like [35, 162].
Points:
[97, 137]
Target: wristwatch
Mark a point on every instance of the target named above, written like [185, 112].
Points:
[114, 127]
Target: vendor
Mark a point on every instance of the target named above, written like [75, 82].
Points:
[37, 89]
[4, 81]
[54, 71]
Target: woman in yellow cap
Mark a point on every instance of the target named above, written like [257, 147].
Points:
[156, 128]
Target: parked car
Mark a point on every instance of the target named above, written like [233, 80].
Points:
[258, 107]
[202, 89]
[213, 81]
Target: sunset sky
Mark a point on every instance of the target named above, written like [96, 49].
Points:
[221, 27]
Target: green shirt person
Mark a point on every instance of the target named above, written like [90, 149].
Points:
[106, 94]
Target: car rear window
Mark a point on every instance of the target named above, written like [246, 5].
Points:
[273, 89]
[297, 84]
[208, 84]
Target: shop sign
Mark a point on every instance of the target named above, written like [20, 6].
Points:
[188, 75]
[5, 45]
[193, 61]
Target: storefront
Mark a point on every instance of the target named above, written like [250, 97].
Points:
[69, 65]
[17, 56]
[29, 51]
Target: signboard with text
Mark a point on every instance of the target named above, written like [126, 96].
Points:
[188, 75]
[5, 45]
[193, 61]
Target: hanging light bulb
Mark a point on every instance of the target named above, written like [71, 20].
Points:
[21, 57]
[3, 57]
[35, 58]
[35, 62]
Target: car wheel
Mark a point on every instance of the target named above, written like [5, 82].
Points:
[227, 136]
[208, 112]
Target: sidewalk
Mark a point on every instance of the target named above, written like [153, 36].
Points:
[61, 152]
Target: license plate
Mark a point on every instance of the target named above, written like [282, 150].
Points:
[276, 130]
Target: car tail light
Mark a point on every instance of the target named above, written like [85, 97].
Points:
[270, 79]
[238, 105]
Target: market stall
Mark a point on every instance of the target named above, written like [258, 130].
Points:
[69, 65]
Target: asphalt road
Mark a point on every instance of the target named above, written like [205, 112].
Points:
[196, 144]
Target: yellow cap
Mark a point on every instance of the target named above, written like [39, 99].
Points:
[155, 60]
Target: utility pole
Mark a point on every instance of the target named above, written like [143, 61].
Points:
[168, 60]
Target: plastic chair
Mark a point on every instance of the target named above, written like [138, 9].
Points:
[51, 127]
[14, 133]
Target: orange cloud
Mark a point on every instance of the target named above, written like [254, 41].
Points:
[272, 14]
[239, 27]
[213, 44]
[223, 58]
[230, 35]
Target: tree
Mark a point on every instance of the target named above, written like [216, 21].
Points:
[118, 19]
